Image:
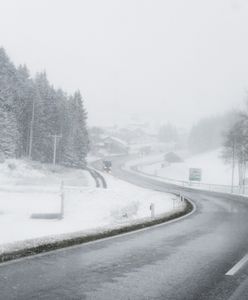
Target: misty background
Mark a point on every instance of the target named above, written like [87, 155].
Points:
[90, 87]
[157, 61]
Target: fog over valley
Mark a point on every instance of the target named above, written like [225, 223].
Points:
[124, 149]
[157, 61]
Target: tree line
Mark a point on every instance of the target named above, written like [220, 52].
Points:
[207, 134]
[235, 146]
[33, 114]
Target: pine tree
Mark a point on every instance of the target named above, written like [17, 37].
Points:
[76, 141]
[81, 134]
[9, 135]
[32, 111]
[47, 118]
[235, 146]
[9, 132]
[25, 97]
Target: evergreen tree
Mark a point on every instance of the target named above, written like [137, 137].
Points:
[25, 97]
[76, 136]
[207, 134]
[8, 134]
[235, 146]
[32, 112]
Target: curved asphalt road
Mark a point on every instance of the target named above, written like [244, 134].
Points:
[186, 259]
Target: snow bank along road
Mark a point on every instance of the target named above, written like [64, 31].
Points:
[202, 256]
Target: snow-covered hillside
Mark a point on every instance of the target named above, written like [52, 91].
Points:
[28, 188]
[214, 170]
[25, 173]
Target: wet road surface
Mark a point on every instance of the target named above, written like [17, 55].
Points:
[186, 259]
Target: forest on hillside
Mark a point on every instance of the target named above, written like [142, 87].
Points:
[209, 133]
[33, 114]
[235, 146]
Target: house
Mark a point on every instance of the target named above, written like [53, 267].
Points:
[115, 145]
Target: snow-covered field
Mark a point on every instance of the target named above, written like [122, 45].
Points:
[27, 189]
[214, 170]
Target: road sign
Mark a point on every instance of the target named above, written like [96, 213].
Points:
[195, 174]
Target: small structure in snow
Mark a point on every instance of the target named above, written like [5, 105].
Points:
[172, 157]
[115, 145]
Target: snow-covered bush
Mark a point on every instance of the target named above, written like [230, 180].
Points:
[127, 211]
[11, 166]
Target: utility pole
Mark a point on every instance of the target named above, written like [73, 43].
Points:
[55, 139]
[233, 164]
[31, 134]
[244, 178]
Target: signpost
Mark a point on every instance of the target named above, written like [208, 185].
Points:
[195, 174]
[152, 209]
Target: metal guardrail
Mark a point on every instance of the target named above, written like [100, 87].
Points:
[240, 190]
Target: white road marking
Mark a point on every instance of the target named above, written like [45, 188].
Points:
[238, 266]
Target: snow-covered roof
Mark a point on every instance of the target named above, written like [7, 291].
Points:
[117, 140]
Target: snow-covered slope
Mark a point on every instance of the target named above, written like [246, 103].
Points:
[33, 188]
[214, 170]
[23, 172]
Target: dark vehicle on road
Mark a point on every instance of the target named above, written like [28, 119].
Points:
[107, 166]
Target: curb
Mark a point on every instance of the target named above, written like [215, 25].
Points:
[8, 256]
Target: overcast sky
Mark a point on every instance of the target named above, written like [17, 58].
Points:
[158, 60]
